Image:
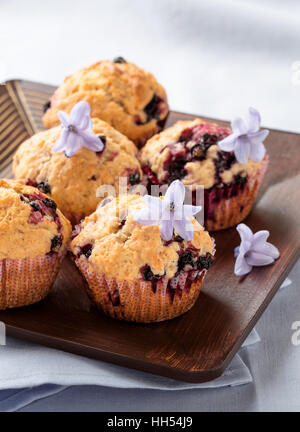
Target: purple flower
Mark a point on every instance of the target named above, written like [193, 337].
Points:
[254, 250]
[246, 140]
[169, 213]
[77, 131]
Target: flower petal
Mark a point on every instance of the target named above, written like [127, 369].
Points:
[238, 126]
[242, 150]
[257, 152]
[259, 238]
[85, 124]
[258, 137]
[78, 112]
[245, 232]
[191, 210]
[145, 216]
[175, 193]
[155, 206]
[258, 259]
[241, 267]
[184, 228]
[253, 120]
[91, 141]
[64, 118]
[74, 143]
[244, 247]
[267, 249]
[166, 229]
[227, 144]
[236, 251]
[62, 142]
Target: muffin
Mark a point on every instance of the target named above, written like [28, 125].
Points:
[34, 236]
[189, 151]
[120, 93]
[132, 273]
[72, 182]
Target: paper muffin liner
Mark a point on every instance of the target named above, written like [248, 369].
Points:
[136, 301]
[230, 205]
[28, 280]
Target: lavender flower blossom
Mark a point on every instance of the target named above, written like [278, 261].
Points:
[169, 213]
[77, 131]
[254, 250]
[246, 140]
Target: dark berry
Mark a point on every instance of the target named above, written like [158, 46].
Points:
[24, 198]
[198, 151]
[204, 262]
[35, 205]
[115, 298]
[56, 243]
[41, 207]
[102, 138]
[229, 160]
[123, 221]
[86, 250]
[186, 135]
[152, 108]
[134, 179]
[176, 170]
[212, 139]
[148, 274]
[119, 60]
[30, 182]
[239, 180]
[223, 162]
[186, 259]
[151, 176]
[93, 177]
[44, 187]
[46, 106]
[50, 204]
[137, 120]
[171, 291]
[178, 239]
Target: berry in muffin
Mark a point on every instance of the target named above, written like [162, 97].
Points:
[120, 93]
[71, 163]
[133, 273]
[190, 151]
[34, 236]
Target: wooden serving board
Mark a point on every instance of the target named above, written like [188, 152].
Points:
[199, 345]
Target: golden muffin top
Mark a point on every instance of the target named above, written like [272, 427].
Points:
[30, 224]
[188, 151]
[73, 182]
[124, 95]
[117, 246]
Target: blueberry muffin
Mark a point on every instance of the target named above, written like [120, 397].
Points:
[132, 273]
[189, 151]
[124, 95]
[34, 236]
[72, 182]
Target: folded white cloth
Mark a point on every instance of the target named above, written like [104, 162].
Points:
[27, 365]
[67, 369]
[30, 372]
